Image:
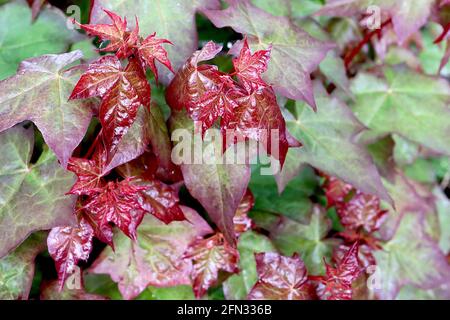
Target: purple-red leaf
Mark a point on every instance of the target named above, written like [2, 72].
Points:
[89, 173]
[192, 81]
[170, 19]
[119, 203]
[161, 201]
[280, 278]
[258, 117]
[337, 284]
[249, 67]
[209, 256]
[68, 245]
[363, 211]
[123, 91]
[151, 49]
[120, 40]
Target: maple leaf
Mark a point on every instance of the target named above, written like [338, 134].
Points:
[68, 245]
[365, 254]
[123, 91]
[258, 117]
[118, 203]
[120, 40]
[308, 240]
[32, 193]
[215, 103]
[209, 256]
[280, 278]
[331, 133]
[357, 211]
[192, 81]
[160, 200]
[336, 190]
[249, 67]
[411, 257]
[361, 212]
[89, 174]
[241, 220]
[39, 92]
[292, 48]
[151, 49]
[170, 19]
[156, 258]
[337, 284]
[386, 111]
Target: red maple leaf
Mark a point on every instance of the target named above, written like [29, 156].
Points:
[280, 278]
[119, 203]
[123, 92]
[208, 257]
[336, 190]
[218, 102]
[161, 201]
[151, 49]
[89, 174]
[258, 117]
[192, 81]
[361, 212]
[249, 67]
[337, 284]
[365, 254]
[357, 211]
[120, 40]
[68, 245]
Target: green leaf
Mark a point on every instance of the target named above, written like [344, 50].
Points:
[101, 284]
[308, 240]
[32, 196]
[239, 285]
[410, 258]
[405, 151]
[293, 201]
[17, 268]
[21, 39]
[412, 105]
[328, 138]
[168, 293]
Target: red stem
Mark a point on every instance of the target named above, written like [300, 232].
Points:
[443, 34]
[352, 54]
